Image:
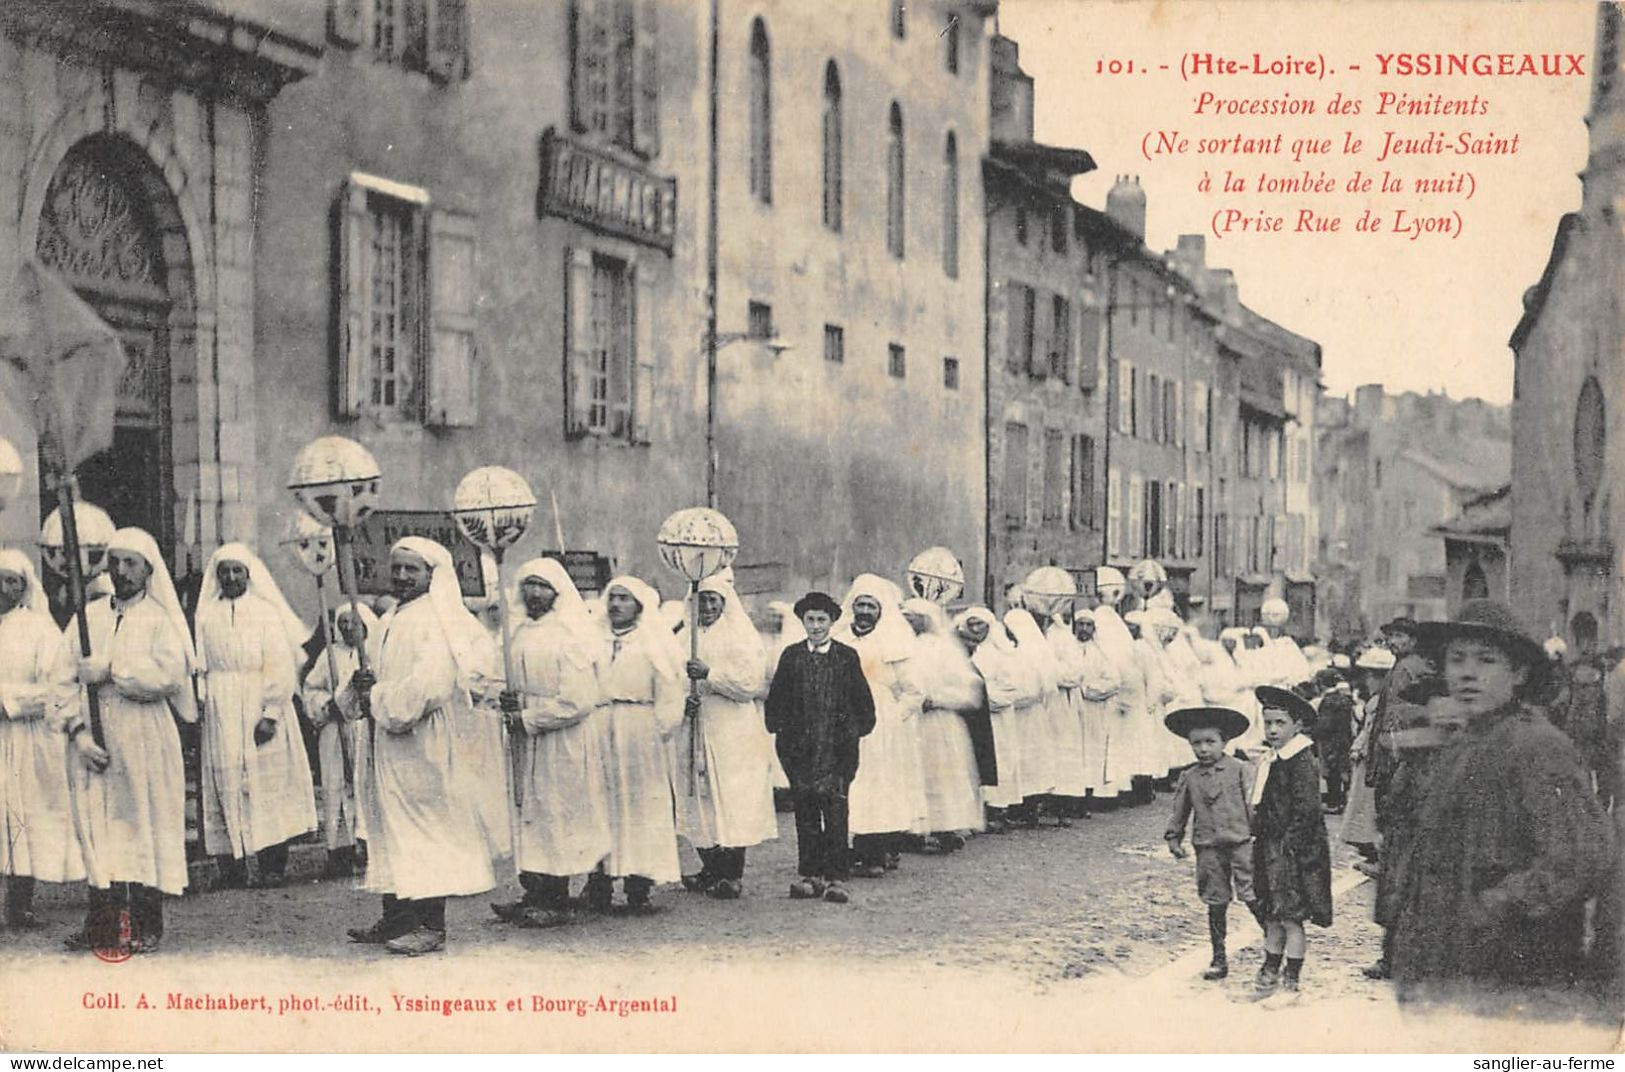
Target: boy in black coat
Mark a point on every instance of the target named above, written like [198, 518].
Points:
[1292, 871]
[818, 708]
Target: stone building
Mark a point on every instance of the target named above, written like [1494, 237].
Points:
[1259, 397]
[851, 229]
[1045, 344]
[1161, 367]
[1475, 550]
[133, 137]
[478, 245]
[1392, 469]
[1568, 518]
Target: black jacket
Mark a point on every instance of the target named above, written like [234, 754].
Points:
[817, 729]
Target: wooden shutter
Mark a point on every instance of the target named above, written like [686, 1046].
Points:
[643, 352]
[577, 339]
[646, 96]
[1114, 405]
[589, 35]
[1089, 350]
[354, 279]
[451, 383]
[1015, 358]
[1037, 351]
[447, 58]
[412, 44]
[347, 21]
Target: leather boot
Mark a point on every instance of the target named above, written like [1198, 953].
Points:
[1217, 924]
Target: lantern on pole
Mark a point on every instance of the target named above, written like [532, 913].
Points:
[493, 508]
[1048, 589]
[336, 481]
[935, 574]
[11, 473]
[311, 544]
[698, 543]
[1147, 578]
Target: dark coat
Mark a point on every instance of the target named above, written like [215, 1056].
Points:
[1292, 865]
[979, 722]
[1334, 730]
[1509, 845]
[818, 708]
[1392, 713]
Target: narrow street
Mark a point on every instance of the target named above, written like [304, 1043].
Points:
[1087, 938]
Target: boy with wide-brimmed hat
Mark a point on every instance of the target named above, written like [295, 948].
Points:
[1215, 791]
[1291, 857]
[1509, 841]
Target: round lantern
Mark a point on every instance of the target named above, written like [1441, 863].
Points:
[335, 480]
[935, 574]
[11, 472]
[1148, 578]
[1049, 589]
[311, 542]
[95, 530]
[698, 542]
[1274, 612]
[493, 507]
[1109, 584]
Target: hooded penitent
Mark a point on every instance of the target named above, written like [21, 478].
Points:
[254, 796]
[956, 735]
[437, 801]
[724, 761]
[35, 819]
[131, 817]
[888, 795]
[643, 684]
[564, 825]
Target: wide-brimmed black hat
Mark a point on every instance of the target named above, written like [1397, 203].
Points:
[1496, 623]
[1230, 724]
[818, 601]
[1286, 700]
[1404, 625]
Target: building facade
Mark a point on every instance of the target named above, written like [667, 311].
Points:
[133, 137]
[1392, 470]
[1568, 518]
[851, 230]
[1044, 370]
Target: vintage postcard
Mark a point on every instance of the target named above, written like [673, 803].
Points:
[882, 525]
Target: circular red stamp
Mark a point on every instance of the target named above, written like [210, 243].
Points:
[112, 933]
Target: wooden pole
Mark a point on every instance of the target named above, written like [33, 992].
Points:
[347, 588]
[515, 733]
[76, 592]
[694, 688]
[327, 637]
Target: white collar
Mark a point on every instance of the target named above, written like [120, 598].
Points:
[1271, 757]
[820, 649]
[1292, 748]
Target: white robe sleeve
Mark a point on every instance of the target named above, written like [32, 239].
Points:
[561, 688]
[156, 673]
[736, 674]
[34, 692]
[402, 701]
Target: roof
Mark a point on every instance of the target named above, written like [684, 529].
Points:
[1487, 517]
[1473, 463]
[1036, 156]
[1534, 301]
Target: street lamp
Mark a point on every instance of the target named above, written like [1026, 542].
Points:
[712, 342]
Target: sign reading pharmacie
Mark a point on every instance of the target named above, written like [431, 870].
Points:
[595, 187]
[380, 530]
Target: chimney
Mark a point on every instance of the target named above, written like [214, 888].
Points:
[1125, 204]
[1368, 405]
[1192, 251]
[1010, 93]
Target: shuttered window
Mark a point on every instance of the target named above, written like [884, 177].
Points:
[614, 72]
[407, 301]
[609, 341]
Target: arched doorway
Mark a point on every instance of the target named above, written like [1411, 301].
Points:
[109, 226]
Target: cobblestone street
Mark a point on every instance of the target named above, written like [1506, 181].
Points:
[1081, 938]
